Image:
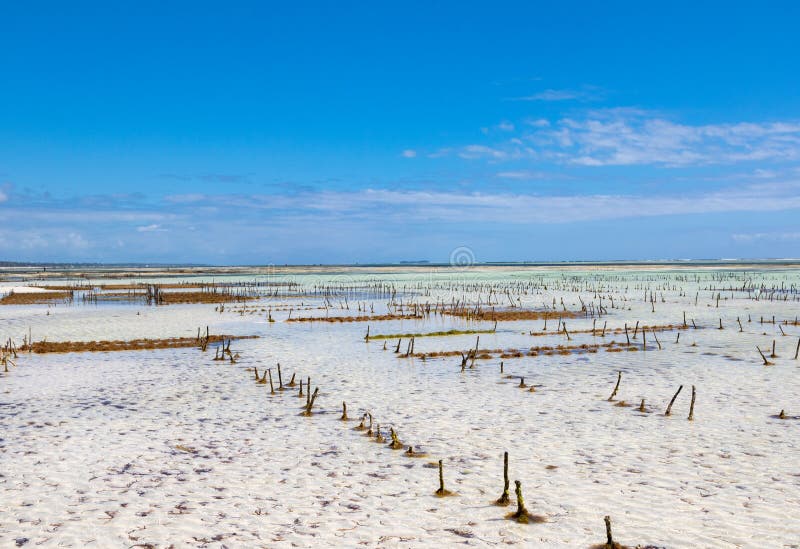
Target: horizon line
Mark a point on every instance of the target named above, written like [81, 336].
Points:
[419, 263]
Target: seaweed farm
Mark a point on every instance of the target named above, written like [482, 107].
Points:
[531, 406]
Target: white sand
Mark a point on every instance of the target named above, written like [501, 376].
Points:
[21, 290]
[88, 441]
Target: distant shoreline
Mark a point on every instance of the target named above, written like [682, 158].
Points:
[618, 263]
[30, 272]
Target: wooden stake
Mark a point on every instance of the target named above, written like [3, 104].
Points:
[616, 387]
[522, 514]
[691, 406]
[609, 538]
[671, 402]
[441, 491]
[311, 402]
[504, 498]
[766, 362]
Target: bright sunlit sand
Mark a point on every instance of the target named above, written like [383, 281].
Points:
[209, 441]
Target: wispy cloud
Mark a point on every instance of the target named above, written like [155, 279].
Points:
[155, 227]
[224, 177]
[211, 225]
[385, 206]
[774, 236]
[185, 198]
[409, 153]
[551, 95]
[481, 151]
[528, 209]
[523, 174]
[631, 137]
[42, 239]
[584, 93]
[209, 177]
[537, 122]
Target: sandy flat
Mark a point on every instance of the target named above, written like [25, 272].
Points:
[170, 447]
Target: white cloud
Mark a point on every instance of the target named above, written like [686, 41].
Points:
[538, 123]
[56, 239]
[150, 228]
[348, 215]
[185, 198]
[482, 151]
[522, 174]
[765, 174]
[552, 95]
[3, 196]
[775, 236]
[631, 137]
[527, 208]
[409, 153]
[386, 206]
[584, 93]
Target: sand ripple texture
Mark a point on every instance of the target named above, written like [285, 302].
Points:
[171, 448]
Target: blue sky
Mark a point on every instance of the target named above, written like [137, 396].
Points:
[339, 132]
